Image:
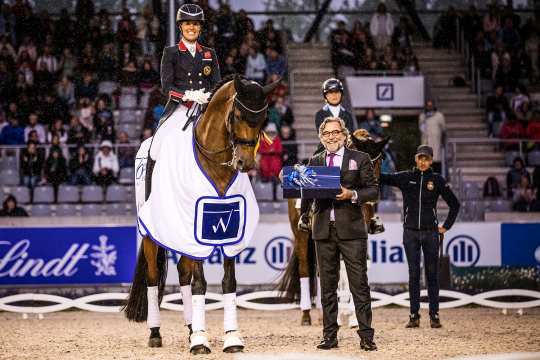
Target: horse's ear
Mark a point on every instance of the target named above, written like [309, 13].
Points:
[271, 87]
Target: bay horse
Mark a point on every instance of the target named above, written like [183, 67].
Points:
[225, 139]
[298, 281]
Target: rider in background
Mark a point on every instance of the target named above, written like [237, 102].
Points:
[332, 90]
[189, 71]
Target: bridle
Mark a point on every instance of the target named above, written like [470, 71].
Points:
[234, 141]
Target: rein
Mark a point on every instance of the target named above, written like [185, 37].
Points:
[233, 140]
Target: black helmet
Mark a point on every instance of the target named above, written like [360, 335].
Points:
[332, 84]
[189, 12]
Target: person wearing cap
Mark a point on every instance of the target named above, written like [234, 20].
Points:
[421, 188]
[189, 71]
[106, 165]
[332, 90]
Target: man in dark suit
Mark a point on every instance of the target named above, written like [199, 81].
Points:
[332, 90]
[189, 71]
[338, 229]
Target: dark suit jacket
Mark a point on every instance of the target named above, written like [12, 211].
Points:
[325, 112]
[349, 220]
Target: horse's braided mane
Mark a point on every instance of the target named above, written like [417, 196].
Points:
[218, 85]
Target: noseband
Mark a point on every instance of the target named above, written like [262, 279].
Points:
[234, 141]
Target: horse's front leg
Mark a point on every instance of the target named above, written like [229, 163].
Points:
[199, 339]
[185, 272]
[301, 249]
[232, 341]
[152, 279]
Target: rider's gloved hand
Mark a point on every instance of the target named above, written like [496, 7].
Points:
[198, 96]
[303, 223]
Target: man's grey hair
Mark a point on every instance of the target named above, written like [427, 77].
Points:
[334, 119]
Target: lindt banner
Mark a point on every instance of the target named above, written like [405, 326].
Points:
[68, 255]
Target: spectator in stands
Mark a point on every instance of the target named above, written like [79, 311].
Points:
[148, 77]
[519, 97]
[85, 113]
[107, 63]
[531, 48]
[80, 167]
[10, 208]
[48, 60]
[126, 152]
[524, 195]
[491, 21]
[497, 108]
[129, 76]
[509, 36]
[371, 123]
[256, 65]
[270, 162]
[381, 27]
[491, 189]
[104, 122]
[290, 150]
[12, 134]
[66, 91]
[275, 63]
[514, 175]
[31, 165]
[506, 75]
[433, 128]
[402, 36]
[445, 29]
[280, 113]
[55, 172]
[87, 88]
[57, 129]
[33, 125]
[147, 133]
[512, 129]
[77, 134]
[68, 63]
[106, 165]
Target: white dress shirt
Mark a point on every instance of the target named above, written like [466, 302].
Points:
[338, 161]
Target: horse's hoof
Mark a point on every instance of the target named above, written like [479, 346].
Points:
[154, 342]
[306, 318]
[200, 350]
[233, 349]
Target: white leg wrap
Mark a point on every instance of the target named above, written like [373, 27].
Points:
[153, 319]
[305, 298]
[198, 323]
[318, 303]
[199, 338]
[229, 312]
[232, 339]
[186, 300]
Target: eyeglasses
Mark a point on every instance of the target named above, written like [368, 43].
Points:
[331, 133]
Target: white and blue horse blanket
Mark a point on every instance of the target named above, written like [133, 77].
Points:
[184, 212]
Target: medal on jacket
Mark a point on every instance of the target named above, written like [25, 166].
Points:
[207, 70]
[430, 185]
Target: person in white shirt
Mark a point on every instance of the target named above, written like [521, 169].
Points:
[381, 27]
[34, 125]
[51, 63]
[255, 65]
[106, 165]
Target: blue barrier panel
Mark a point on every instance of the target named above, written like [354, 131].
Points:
[520, 244]
[74, 255]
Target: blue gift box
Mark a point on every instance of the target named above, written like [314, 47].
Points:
[311, 182]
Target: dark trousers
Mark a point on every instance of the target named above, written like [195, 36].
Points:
[354, 254]
[428, 242]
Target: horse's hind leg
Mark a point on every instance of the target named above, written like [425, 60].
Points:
[199, 339]
[232, 341]
[301, 248]
[185, 272]
[153, 321]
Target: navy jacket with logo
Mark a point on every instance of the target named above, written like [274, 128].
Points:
[180, 71]
[421, 190]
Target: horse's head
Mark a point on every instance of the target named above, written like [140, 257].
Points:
[248, 116]
[362, 141]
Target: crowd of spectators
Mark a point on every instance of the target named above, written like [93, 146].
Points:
[62, 79]
[379, 45]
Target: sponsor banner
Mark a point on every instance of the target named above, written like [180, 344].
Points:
[474, 244]
[262, 262]
[386, 91]
[520, 244]
[74, 255]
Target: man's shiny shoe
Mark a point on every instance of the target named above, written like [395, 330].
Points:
[414, 321]
[435, 321]
[327, 344]
[367, 344]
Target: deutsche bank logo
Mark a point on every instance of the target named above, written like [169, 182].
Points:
[385, 92]
[220, 221]
[278, 251]
[463, 250]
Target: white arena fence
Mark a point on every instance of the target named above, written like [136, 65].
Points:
[246, 301]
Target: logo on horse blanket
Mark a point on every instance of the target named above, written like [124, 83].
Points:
[220, 220]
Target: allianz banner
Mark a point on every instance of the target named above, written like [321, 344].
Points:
[70, 255]
[521, 244]
[386, 91]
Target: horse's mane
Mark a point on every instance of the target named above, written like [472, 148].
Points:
[218, 85]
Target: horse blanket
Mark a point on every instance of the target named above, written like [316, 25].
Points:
[184, 212]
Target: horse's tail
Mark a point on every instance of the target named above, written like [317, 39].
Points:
[289, 284]
[136, 306]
